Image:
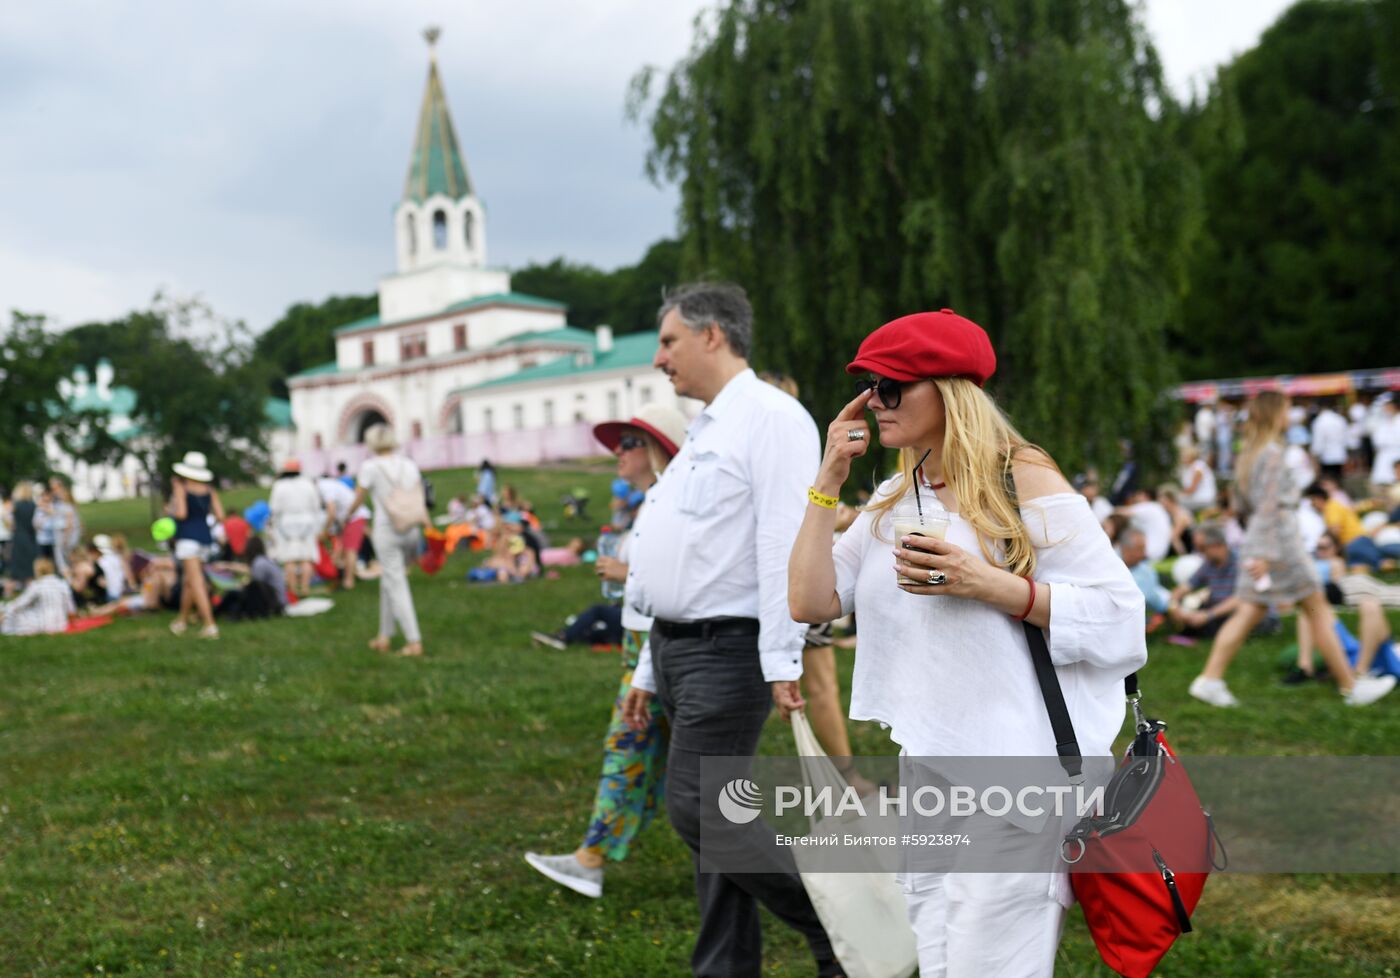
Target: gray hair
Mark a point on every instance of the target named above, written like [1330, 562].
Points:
[380, 438]
[1132, 532]
[724, 304]
[1211, 534]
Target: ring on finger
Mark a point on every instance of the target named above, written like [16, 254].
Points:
[855, 434]
[936, 577]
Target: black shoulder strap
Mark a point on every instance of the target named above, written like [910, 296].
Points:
[1066, 745]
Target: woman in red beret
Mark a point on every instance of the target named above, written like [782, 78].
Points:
[944, 661]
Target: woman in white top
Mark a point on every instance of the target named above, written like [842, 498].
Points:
[379, 476]
[945, 663]
[1198, 489]
[297, 518]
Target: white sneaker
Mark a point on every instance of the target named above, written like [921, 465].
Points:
[1368, 689]
[568, 871]
[553, 641]
[1212, 691]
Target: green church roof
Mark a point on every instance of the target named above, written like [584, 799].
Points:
[495, 298]
[632, 350]
[437, 166]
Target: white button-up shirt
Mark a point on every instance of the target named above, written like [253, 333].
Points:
[718, 526]
[1329, 438]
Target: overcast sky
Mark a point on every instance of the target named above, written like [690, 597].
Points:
[251, 153]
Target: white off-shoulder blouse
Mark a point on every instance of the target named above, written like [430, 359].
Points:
[953, 676]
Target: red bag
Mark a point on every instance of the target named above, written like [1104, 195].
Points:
[1150, 809]
[1151, 816]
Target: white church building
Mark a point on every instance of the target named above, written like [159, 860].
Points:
[460, 366]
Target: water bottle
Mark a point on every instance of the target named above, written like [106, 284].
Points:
[608, 545]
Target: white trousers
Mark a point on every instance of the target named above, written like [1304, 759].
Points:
[395, 600]
[985, 925]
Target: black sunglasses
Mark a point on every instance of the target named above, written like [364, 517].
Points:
[891, 391]
[629, 442]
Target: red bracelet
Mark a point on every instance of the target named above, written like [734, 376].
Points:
[1031, 603]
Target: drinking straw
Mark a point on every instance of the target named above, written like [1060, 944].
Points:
[918, 472]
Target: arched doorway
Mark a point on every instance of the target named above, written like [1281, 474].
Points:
[363, 421]
[356, 417]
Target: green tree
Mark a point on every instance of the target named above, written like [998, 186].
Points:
[1013, 159]
[625, 298]
[586, 290]
[1296, 270]
[32, 361]
[199, 387]
[305, 335]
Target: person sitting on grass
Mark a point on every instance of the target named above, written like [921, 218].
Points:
[1213, 584]
[45, 606]
[570, 555]
[1373, 652]
[1359, 550]
[1132, 547]
[265, 594]
[84, 576]
[511, 558]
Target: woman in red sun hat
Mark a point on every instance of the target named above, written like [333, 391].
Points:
[943, 658]
[632, 785]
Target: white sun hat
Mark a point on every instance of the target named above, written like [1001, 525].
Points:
[195, 467]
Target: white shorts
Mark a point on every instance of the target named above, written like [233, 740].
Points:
[191, 550]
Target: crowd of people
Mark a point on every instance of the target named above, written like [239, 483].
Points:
[729, 584]
[1282, 534]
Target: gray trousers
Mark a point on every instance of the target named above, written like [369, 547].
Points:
[716, 699]
[394, 550]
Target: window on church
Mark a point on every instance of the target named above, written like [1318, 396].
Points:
[417, 429]
[645, 394]
[487, 422]
[454, 420]
[414, 346]
[459, 336]
[316, 441]
[518, 416]
[467, 227]
[613, 410]
[549, 414]
[440, 230]
[411, 232]
[367, 352]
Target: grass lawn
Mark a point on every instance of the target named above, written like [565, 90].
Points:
[284, 802]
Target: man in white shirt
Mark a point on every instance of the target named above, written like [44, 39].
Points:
[339, 500]
[1329, 441]
[1152, 518]
[710, 567]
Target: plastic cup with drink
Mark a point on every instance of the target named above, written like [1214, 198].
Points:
[924, 517]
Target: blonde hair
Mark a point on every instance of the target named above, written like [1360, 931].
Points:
[43, 567]
[656, 455]
[979, 446]
[21, 492]
[1261, 428]
[380, 439]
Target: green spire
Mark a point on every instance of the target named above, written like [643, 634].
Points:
[437, 165]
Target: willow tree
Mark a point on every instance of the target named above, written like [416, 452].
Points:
[1012, 159]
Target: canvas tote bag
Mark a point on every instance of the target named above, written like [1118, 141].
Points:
[864, 914]
[404, 503]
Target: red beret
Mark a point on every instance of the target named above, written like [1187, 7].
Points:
[927, 344]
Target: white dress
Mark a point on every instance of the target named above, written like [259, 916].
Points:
[297, 518]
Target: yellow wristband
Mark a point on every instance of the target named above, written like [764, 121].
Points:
[825, 502]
